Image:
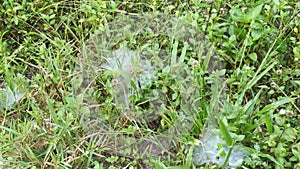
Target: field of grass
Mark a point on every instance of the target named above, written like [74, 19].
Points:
[62, 107]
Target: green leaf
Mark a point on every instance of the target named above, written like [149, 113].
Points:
[183, 53]
[239, 16]
[270, 158]
[158, 164]
[133, 85]
[225, 133]
[276, 2]
[290, 134]
[297, 82]
[271, 107]
[176, 167]
[249, 107]
[71, 100]
[174, 53]
[256, 34]
[79, 99]
[296, 153]
[269, 125]
[112, 159]
[189, 157]
[258, 77]
[253, 56]
[296, 51]
[221, 150]
[84, 110]
[254, 12]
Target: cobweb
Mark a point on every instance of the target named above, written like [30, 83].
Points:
[137, 50]
[11, 93]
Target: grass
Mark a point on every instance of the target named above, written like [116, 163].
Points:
[41, 44]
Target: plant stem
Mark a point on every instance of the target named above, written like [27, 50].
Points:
[227, 157]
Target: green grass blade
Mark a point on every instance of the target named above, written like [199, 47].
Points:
[271, 107]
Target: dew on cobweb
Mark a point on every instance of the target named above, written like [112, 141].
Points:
[9, 97]
[137, 67]
[207, 151]
[127, 63]
[129, 70]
